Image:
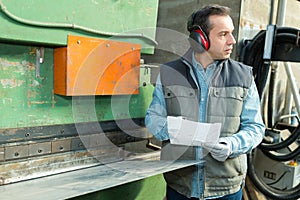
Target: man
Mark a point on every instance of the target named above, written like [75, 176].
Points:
[206, 86]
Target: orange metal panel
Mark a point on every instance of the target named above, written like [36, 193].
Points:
[91, 66]
[60, 60]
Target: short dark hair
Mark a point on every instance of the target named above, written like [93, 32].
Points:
[200, 17]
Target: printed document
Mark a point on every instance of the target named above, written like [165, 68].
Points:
[190, 133]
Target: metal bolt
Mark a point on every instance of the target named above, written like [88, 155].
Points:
[40, 151]
[61, 148]
[78, 41]
[144, 84]
[27, 134]
[107, 45]
[17, 154]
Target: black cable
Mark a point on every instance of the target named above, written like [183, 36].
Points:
[252, 54]
[271, 97]
[283, 157]
[288, 194]
[285, 143]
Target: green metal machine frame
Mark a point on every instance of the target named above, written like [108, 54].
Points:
[38, 126]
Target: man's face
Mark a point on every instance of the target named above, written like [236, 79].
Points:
[220, 36]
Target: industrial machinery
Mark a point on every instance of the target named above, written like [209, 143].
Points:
[73, 96]
[74, 90]
[274, 166]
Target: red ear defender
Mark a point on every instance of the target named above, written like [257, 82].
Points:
[198, 39]
[203, 38]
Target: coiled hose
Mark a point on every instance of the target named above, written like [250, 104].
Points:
[267, 148]
[289, 194]
[276, 146]
[252, 54]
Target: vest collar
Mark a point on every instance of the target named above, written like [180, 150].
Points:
[188, 57]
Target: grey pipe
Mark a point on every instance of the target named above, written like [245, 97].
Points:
[72, 26]
[293, 84]
[281, 12]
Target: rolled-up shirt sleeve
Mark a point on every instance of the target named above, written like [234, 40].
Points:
[156, 115]
[252, 128]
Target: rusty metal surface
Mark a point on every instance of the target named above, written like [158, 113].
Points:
[26, 169]
[28, 101]
[23, 160]
[11, 135]
[84, 181]
[17, 166]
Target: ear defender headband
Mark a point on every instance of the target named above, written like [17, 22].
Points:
[197, 35]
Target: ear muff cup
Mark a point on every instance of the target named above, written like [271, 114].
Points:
[198, 40]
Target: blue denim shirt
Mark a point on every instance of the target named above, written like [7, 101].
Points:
[242, 142]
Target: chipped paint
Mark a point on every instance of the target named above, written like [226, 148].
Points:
[6, 100]
[5, 64]
[39, 102]
[35, 83]
[11, 83]
[31, 94]
[29, 101]
[17, 67]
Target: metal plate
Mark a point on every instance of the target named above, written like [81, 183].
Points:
[112, 67]
[61, 145]
[77, 144]
[84, 181]
[68, 130]
[1, 153]
[39, 148]
[16, 152]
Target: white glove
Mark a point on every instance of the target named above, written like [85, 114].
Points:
[221, 150]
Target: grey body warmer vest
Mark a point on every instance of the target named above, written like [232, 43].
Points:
[227, 92]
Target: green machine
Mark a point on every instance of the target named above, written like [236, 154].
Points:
[65, 146]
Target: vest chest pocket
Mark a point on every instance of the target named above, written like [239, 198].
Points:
[182, 101]
[226, 101]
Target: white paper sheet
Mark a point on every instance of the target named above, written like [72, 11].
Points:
[190, 133]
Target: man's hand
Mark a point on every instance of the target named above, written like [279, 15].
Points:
[221, 150]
